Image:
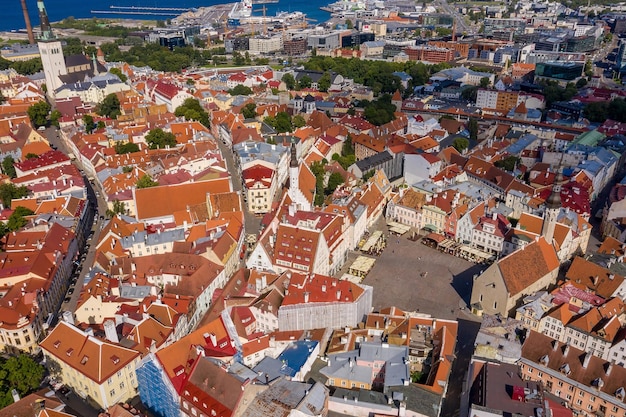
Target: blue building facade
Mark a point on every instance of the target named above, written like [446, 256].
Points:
[155, 389]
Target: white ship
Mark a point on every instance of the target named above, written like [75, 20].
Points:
[241, 9]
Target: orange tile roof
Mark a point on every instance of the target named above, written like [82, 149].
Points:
[524, 267]
[96, 359]
[164, 200]
[586, 274]
[320, 289]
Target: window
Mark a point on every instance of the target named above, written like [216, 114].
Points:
[579, 401]
[112, 393]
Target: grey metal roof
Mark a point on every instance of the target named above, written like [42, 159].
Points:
[374, 161]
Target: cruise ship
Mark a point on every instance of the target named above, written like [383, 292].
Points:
[239, 10]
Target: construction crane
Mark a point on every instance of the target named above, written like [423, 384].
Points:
[264, 9]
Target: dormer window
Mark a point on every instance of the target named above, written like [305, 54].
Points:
[69, 352]
[57, 344]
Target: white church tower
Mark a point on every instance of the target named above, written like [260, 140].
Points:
[298, 199]
[51, 53]
[553, 207]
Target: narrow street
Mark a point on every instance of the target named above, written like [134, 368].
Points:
[252, 222]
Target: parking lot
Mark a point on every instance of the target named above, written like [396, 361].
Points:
[414, 277]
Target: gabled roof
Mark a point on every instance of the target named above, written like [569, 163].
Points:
[525, 266]
[586, 274]
[94, 358]
[166, 200]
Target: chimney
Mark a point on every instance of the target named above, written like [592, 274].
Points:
[609, 368]
[213, 339]
[16, 395]
[306, 297]
[402, 409]
[110, 332]
[68, 317]
[338, 294]
[29, 27]
[586, 360]
[323, 287]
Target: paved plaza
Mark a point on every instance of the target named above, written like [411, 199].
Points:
[414, 277]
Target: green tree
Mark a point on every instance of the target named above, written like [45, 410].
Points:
[249, 111]
[470, 93]
[347, 148]
[484, 82]
[588, 68]
[441, 31]
[8, 168]
[240, 90]
[159, 139]
[349, 24]
[191, 109]
[2, 98]
[38, 113]
[283, 122]
[128, 147]
[323, 84]
[21, 373]
[289, 81]
[116, 71]
[508, 164]
[581, 83]
[380, 111]
[17, 218]
[460, 144]
[119, 207]
[334, 180]
[298, 121]
[31, 155]
[597, 111]
[109, 107]
[9, 192]
[54, 117]
[472, 128]
[146, 181]
[90, 125]
[304, 82]
[317, 168]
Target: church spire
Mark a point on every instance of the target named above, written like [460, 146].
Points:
[44, 22]
[294, 159]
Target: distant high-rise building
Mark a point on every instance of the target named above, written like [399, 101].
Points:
[51, 52]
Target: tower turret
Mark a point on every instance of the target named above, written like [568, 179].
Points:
[553, 206]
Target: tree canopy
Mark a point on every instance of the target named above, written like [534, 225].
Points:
[192, 110]
[281, 123]
[460, 144]
[249, 111]
[159, 139]
[38, 113]
[240, 90]
[89, 123]
[146, 181]
[9, 191]
[128, 147]
[598, 112]
[21, 373]
[380, 111]
[8, 167]
[109, 107]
